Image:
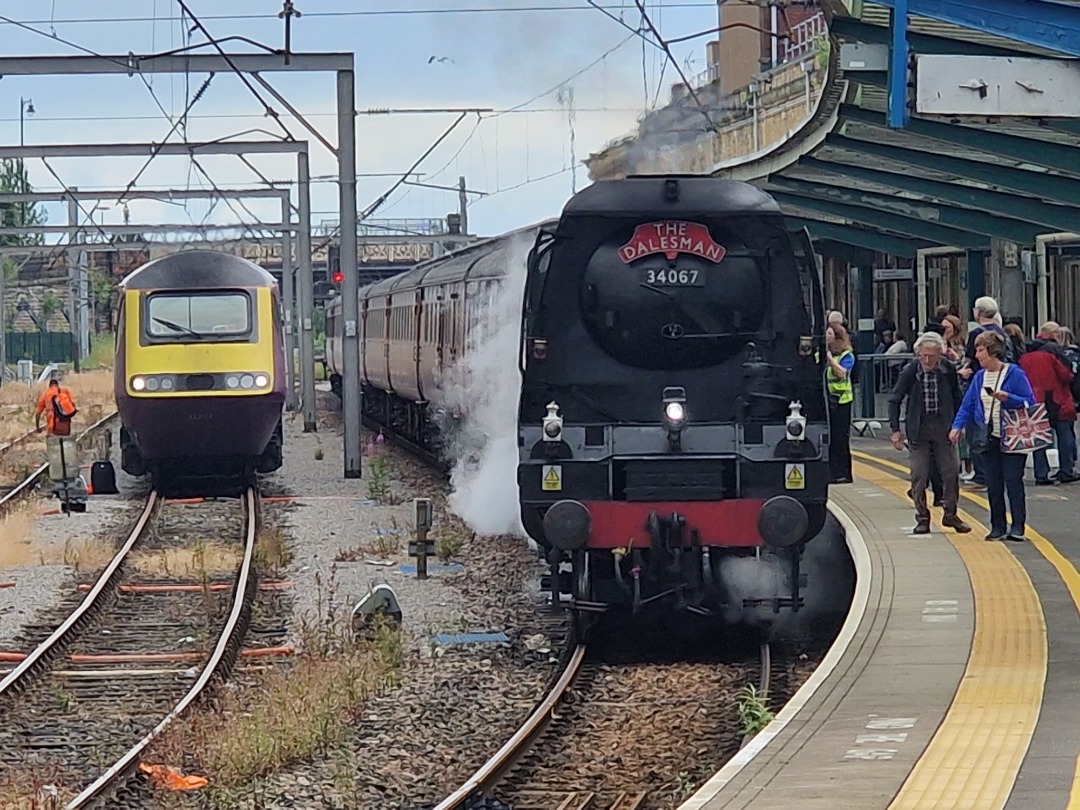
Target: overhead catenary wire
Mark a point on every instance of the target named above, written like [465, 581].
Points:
[270, 111]
[389, 12]
[158, 147]
[675, 63]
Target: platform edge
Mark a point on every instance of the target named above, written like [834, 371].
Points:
[860, 555]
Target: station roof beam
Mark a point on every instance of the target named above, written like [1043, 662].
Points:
[996, 223]
[911, 225]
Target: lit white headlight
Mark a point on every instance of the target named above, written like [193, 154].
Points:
[138, 383]
[261, 381]
[675, 412]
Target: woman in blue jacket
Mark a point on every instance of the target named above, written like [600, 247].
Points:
[994, 387]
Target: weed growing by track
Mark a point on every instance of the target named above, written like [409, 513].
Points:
[289, 714]
[754, 710]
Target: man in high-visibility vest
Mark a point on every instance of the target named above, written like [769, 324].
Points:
[59, 408]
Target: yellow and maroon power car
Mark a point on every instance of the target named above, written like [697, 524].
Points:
[199, 370]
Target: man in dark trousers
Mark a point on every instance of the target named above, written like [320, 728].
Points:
[930, 386]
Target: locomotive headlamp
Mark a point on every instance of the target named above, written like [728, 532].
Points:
[261, 381]
[553, 423]
[674, 402]
[796, 423]
[138, 383]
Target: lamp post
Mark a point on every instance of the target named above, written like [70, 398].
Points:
[26, 107]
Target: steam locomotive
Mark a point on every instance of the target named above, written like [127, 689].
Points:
[672, 415]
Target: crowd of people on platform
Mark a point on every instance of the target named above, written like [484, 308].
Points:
[954, 393]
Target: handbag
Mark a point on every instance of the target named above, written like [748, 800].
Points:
[1026, 429]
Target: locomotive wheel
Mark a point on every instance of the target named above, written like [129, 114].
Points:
[582, 590]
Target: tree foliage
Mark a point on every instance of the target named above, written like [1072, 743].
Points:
[13, 177]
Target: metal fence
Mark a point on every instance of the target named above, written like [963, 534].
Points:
[876, 374]
[41, 347]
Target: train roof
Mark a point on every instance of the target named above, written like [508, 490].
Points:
[465, 263]
[635, 194]
[198, 269]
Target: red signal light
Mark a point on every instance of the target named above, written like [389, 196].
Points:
[339, 277]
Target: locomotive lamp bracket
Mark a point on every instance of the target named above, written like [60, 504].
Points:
[553, 423]
[674, 411]
[796, 423]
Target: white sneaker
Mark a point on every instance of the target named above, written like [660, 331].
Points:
[967, 476]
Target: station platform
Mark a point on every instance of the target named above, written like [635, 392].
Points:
[951, 684]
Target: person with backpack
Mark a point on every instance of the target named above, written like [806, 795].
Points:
[58, 405]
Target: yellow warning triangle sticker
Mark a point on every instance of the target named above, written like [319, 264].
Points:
[795, 478]
[552, 476]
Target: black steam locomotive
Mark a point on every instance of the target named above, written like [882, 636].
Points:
[673, 418]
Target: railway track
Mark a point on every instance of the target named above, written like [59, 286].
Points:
[579, 749]
[27, 485]
[96, 689]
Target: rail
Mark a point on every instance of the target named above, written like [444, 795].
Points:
[28, 483]
[90, 604]
[220, 663]
[491, 771]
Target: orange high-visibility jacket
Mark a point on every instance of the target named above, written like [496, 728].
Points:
[54, 402]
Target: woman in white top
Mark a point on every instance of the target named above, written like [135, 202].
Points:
[994, 387]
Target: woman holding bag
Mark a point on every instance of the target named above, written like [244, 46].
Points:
[995, 387]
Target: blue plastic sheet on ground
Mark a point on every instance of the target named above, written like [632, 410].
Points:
[384, 532]
[453, 639]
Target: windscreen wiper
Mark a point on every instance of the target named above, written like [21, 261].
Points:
[184, 330]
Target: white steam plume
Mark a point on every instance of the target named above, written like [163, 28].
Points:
[482, 390]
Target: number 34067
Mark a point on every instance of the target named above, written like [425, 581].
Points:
[675, 278]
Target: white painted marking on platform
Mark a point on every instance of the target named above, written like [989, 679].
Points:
[863, 739]
[889, 723]
[938, 611]
[870, 754]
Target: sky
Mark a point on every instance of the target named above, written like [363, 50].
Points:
[562, 78]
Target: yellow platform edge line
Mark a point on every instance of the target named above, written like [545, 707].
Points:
[1062, 564]
[1066, 570]
[975, 754]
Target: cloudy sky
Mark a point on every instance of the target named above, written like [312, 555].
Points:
[520, 57]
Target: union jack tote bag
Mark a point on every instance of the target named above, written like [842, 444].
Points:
[1026, 429]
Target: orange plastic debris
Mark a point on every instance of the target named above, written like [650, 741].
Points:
[7, 584]
[165, 776]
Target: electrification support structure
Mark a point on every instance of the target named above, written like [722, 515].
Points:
[343, 64]
[300, 305]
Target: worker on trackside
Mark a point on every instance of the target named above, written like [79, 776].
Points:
[59, 408]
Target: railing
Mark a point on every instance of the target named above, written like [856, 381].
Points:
[804, 38]
[387, 227]
[877, 374]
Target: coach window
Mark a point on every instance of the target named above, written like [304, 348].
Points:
[178, 317]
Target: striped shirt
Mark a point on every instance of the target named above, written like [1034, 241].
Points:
[991, 407]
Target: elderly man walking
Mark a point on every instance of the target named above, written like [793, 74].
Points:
[932, 390]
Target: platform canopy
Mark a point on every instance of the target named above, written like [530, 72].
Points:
[988, 147]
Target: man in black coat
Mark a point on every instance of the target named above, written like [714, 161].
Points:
[932, 390]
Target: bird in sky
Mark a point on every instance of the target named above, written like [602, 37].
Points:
[440, 59]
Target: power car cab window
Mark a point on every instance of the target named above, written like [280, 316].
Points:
[670, 296]
[215, 316]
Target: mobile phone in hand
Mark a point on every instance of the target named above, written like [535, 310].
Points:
[989, 391]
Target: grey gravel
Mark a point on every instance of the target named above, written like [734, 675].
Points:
[55, 539]
[454, 704]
